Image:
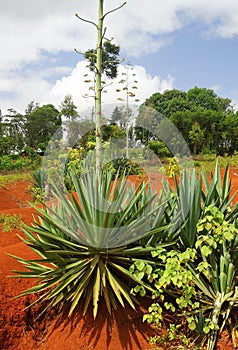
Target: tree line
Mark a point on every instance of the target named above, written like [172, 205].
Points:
[207, 122]
[32, 129]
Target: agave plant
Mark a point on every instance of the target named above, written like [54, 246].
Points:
[191, 196]
[87, 240]
[217, 191]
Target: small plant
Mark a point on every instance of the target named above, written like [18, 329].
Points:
[174, 339]
[172, 282]
[171, 169]
[10, 221]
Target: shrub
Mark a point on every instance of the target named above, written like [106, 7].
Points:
[123, 165]
[6, 163]
[159, 148]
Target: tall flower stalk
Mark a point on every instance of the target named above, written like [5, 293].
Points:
[101, 30]
[98, 92]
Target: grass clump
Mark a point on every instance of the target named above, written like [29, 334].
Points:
[8, 222]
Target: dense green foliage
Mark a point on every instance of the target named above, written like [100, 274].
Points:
[18, 162]
[206, 121]
[41, 125]
[32, 129]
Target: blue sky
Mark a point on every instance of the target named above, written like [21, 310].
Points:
[196, 60]
[173, 44]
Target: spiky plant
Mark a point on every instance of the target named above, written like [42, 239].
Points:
[87, 241]
[191, 196]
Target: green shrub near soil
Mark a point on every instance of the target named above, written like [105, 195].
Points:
[13, 163]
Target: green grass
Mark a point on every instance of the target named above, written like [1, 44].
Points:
[15, 176]
[10, 221]
[207, 162]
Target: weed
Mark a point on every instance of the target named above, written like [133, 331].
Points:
[10, 221]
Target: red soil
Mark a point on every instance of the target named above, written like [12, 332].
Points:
[19, 329]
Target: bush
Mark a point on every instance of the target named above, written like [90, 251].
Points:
[8, 163]
[123, 165]
[159, 148]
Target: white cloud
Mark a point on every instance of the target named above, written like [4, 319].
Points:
[74, 85]
[29, 28]
[235, 99]
[20, 91]
[36, 87]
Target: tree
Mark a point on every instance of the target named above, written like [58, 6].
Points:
[112, 131]
[229, 125]
[31, 107]
[197, 105]
[6, 145]
[68, 108]
[183, 121]
[41, 124]
[203, 99]
[110, 60]
[1, 131]
[196, 137]
[210, 122]
[146, 122]
[14, 128]
[120, 116]
[169, 102]
[117, 116]
[196, 99]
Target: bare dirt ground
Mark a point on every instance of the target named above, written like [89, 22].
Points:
[19, 328]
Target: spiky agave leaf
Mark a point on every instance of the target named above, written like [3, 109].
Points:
[87, 241]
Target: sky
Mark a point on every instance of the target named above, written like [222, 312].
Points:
[169, 44]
